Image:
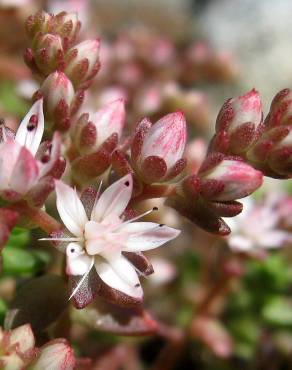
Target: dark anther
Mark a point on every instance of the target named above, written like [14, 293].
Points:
[33, 121]
[161, 225]
[155, 208]
[127, 183]
[72, 250]
[137, 285]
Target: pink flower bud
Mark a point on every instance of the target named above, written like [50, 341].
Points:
[58, 94]
[48, 52]
[22, 337]
[241, 118]
[109, 120]
[39, 22]
[230, 180]
[93, 130]
[67, 26]
[281, 110]
[157, 150]
[57, 354]
[82, 62]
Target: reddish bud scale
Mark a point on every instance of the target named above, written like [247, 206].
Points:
[87, 167]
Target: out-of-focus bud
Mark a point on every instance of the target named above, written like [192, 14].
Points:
[48, 52]
[18, 351]
[64, 24]
[280, 113]
[67, 26]
[56, 354]
[157, 150]
[211, 332]
[229, 180]
[82, 62]
[272, 152]
[59, 95]
[203, 63]
[195, 153]
[238, 124]
[39, 22]
[92, 130]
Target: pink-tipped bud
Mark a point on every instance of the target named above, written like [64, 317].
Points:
[48, 52]
[230, 180]
[91, 131]
[58, 93]
[67, 26]
[82, 62]
[109, 120]
[281, 110]
[22, 337]
[39, 22]
[241, 119]
[56, 354]
[157, 150]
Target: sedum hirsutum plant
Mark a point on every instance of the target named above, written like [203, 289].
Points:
[99, 192]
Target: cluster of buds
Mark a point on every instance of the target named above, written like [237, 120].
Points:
[272, 152]
[64, 69]
[18, 351]
[211, 194]
[265, 144]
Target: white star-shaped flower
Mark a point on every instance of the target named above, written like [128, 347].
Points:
[100, 240]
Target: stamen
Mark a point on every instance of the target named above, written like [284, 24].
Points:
[61, 239]
[82, 280]
[135, 218]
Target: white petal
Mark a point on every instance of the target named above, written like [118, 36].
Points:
[77, 264]
[274, 239]
[240, 243]
[32, 139]
[114, 199]
[125, 270]
[70, 208]
[147, 235]
[113, 280]
[25, 172]
[9, 152]
[54, 155]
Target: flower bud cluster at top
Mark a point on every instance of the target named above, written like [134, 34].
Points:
[65, 69]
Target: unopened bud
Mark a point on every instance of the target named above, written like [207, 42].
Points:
[56, 354]
[48, 52]
[58, 94]
[157, 150]
[241, 120]
[93, 130]
[230, 180]
[82, 62]
[39, 22]
[67, 26]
